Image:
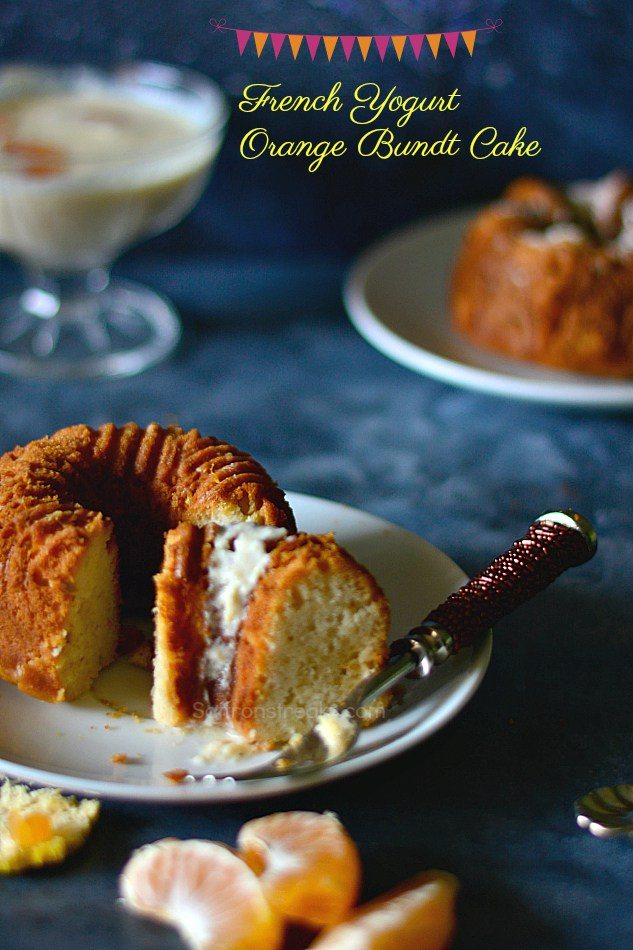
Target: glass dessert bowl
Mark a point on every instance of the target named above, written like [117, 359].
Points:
[90, 163]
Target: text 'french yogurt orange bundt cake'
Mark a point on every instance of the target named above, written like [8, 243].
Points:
[276, 628]
[82, 520]
[546, 275]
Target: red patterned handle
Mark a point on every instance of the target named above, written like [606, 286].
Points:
[554, 542]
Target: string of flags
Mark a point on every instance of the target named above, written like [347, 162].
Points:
[382, 42]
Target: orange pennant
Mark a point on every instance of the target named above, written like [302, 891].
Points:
[469, 39]
[330, 43]
[398, 44]
[434, 42]
[260, 42]
[364, 43]
[295, 40]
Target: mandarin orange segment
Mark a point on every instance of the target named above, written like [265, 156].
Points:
[205, 891]
[308, 865]
[418, 915]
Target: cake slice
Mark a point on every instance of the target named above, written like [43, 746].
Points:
[261, 629]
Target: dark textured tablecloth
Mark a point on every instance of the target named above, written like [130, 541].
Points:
[270, 362]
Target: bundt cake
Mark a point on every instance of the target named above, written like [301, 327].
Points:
[82, 520]
[277, 627]
[546, 275]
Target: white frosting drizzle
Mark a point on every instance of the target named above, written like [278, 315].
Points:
[599, 197]
[240, 557]
[555, 234]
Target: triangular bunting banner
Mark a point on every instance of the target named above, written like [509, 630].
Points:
[260, 42]
[382, 42]
[277, 39]
[469, 37]
[347, 42]
[330, 43]
[295, 40]
[398, 44]
[434, 40]
[313, 43]
[416, 40]
[451, 42]
[364, 42]
[243, 37]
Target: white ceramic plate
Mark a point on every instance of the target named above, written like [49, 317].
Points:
[396, 296]
[70, 745]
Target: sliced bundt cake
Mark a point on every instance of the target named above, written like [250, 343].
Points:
[261, 628]
[82, 520]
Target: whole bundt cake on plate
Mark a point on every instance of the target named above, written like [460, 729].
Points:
[546, 275]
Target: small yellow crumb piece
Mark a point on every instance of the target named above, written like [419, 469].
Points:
[40, 826]
[122, 758]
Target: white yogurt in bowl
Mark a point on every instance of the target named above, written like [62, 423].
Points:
[90, 162]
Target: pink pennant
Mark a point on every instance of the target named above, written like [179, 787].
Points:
[277, 39]
[313, 43]
[416, 40]
[347, 42]
[243, 37]
[381, 45]
[451, 42]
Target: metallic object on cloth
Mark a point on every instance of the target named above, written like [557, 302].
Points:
[606, 812]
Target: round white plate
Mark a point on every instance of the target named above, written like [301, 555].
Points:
[70, 745]
[396, 297]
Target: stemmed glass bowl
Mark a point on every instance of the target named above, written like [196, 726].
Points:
[91, 162]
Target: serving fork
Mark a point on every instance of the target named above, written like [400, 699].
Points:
[554, 542]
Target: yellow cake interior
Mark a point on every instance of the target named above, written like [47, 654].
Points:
[89, 639]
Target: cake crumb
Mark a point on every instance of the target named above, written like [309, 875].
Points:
[121, 758]
[40, 826]
[224, 748]
[176, 776]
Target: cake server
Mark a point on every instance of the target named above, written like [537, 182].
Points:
[556, 541]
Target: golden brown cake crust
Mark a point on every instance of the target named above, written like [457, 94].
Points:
[180, 637]
[59, 492]
[541, 277]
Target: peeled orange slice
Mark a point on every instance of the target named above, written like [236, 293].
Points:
[418, 915]
[211, 896]
[308, 865]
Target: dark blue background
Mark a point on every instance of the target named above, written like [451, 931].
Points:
[270, 362]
